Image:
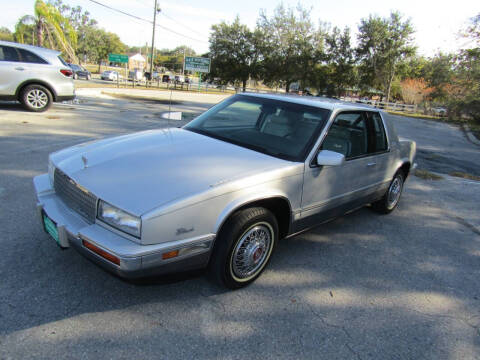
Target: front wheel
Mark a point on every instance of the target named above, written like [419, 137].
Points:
[391, 198]
[244, 247]
[36, 98]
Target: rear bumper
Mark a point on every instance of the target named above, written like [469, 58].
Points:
[136, 260]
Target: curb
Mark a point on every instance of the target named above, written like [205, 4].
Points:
[470, 136]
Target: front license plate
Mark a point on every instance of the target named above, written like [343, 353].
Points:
[50, 227]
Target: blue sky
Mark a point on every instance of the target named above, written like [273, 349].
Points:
[436, 22]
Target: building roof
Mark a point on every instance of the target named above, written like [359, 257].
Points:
[137, 57]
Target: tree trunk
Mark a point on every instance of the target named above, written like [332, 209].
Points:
[389, 85]
[287, 87]
[99, 64]
[40, 32]
[244, 85]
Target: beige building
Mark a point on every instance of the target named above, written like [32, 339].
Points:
[137, 61]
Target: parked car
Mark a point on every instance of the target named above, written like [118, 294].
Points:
[224, 189]
[80, 72]
[154, 77]
[440, 111]
[136, 75]
[34, 76]
[167, 78]
[179, 79]
[111, 75]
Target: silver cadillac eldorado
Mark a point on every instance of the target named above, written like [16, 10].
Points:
[221, 191]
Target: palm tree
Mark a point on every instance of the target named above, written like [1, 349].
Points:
[25, 30]
[50, 27]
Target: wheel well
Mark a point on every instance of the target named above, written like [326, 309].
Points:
[405, 169]
[35, 82]
[279, 207]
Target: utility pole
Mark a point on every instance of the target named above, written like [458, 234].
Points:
[183, 62]
[155, 10]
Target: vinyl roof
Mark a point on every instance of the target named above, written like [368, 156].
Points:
[320, 102]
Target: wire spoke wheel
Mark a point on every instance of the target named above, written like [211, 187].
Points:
[251, 252]
[394, 192]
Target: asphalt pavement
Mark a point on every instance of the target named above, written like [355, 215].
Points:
[364, 286]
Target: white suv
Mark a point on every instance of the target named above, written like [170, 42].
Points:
[34, 76]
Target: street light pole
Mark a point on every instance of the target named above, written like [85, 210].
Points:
[155, 10]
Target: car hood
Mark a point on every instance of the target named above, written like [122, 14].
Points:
[142, 171]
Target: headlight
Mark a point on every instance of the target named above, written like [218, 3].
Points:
[51, 171]
[119, 219]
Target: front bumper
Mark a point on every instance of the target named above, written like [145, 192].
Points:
[136, 260]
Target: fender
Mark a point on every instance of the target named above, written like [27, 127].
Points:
[245, 200]
[36, 81]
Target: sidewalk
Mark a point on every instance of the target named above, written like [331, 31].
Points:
[164, 95]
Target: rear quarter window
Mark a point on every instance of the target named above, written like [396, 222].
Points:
[29, 57]
[379, 133]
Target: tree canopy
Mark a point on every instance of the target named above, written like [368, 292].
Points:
[383, 44]
[235, 52]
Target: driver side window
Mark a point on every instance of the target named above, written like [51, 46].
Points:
[348, 135]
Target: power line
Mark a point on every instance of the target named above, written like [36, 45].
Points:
[178, 22]
[145, 20]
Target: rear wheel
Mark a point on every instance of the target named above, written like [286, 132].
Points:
[243, 247]
[36, 98]
[391, 198]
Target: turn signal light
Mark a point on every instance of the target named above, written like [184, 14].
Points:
[66, 72]
[101, 252]
[170, 254]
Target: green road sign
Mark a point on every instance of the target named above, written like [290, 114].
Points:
[118, 58]
[197, 64]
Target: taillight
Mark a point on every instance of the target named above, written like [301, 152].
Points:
[66, 72]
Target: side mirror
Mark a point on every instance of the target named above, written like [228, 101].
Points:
[332, 158]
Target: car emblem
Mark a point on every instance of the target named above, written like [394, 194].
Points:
[85, 162]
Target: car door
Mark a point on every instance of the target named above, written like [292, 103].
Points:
[12, 72]
[381, 155]
[329, 191]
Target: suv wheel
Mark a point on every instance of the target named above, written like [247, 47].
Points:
[36, 98]
[244, 247]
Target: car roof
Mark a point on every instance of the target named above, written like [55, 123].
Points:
[320, 102]
[36, 49]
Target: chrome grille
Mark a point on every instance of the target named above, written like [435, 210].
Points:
[76, 198]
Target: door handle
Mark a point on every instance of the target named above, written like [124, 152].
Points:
[372, 164]
[19, 68]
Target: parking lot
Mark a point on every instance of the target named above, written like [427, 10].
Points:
[365, 286]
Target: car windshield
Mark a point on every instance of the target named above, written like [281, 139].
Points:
[279, 128]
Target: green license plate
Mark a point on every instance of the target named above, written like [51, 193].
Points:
[50, 227]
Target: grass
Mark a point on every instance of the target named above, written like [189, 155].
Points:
[427, 175]
[465, 175]
[475, 129]
[416, 115]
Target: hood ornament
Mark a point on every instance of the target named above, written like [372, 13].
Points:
[85, 161]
